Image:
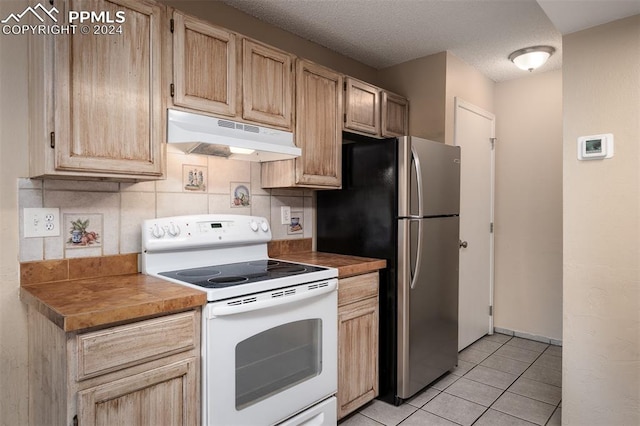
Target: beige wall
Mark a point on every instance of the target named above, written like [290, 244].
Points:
[423, 82]
[13, 163]
[528, 205]
[601, 354]
[466, 83]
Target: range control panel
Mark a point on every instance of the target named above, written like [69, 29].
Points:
[186, 232]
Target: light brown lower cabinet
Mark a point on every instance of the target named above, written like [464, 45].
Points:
[142, 373]
[357, 342]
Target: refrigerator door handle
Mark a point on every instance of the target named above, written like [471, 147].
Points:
[416, 271]
[415, 160]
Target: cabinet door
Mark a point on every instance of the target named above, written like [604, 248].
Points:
[318, 127]
[166, 395]
[267, 84]
[108, 105]
[395, 115]
[204, 66]
[362, 107]
[357, 355]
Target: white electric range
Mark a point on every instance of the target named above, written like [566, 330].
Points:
[269, 329]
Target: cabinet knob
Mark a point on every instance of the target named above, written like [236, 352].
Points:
[463, 244]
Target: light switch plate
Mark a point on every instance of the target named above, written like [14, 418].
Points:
[285, 215]
[41, 222]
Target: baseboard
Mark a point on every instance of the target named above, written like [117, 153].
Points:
[529, 336]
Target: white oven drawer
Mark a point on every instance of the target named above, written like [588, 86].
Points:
[263, 365]
[323, 414]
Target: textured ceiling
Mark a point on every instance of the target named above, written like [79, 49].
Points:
[381, 33]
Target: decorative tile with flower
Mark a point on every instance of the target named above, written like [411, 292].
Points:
[240, 195]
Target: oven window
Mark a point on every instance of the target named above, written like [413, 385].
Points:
[277, 359]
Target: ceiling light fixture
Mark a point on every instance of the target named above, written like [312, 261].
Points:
[531, 58]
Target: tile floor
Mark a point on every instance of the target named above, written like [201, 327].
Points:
[500, 380]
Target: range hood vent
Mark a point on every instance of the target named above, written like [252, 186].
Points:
[201, 134]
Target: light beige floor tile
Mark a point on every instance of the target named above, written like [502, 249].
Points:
[519, 354]
[489, 376]
[485, 345]
[496, 418]
[423, 397]
[544, 375]
[556, 418]
[462, 368]
[537, 390]
[524, 408]
[445, 382]
[474, 391]
[473, 355]
[455, 409]
[358, 420]
[498, 337]
[549, 361]
[530, 345]
[423, 418]
[388, 414]
[507, 365]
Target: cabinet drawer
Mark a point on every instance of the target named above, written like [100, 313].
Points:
[357, 288]
[119, 347]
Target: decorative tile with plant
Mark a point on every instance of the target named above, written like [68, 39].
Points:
[83, 230]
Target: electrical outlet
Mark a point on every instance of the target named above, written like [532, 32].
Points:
[285, 215]
[41, 222]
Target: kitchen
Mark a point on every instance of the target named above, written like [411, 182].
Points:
[125, 205]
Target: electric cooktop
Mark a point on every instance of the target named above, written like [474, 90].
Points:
[232, 274]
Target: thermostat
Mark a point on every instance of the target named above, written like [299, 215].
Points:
[595, 147]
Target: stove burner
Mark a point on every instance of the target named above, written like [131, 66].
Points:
[286, 269]
[267, 263]
[228, 280]
[199, 272]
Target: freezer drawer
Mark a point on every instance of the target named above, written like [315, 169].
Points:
[427, 301]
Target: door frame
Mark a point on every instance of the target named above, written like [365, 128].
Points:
[462, 104]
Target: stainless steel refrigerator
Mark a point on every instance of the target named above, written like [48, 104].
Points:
[400, 201]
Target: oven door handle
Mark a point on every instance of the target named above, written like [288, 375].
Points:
[275, 298]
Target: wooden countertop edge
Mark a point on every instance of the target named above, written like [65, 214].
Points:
[109, 316]
[346, 265]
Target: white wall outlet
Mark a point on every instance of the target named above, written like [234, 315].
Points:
[41, 222]
[285, 215]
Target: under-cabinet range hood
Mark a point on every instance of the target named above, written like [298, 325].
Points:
[202, 134]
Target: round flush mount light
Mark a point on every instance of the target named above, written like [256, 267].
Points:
[531, 58]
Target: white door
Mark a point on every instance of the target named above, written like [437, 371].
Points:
[474, 133]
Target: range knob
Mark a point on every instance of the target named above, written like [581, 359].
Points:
[157, 231]
[173, 230]
[264, 226]
[254, 226]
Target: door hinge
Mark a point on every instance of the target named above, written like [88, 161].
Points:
[51, 2]
[172, 89]
[75, 420]
[52, 139]
[491, 228]
[344, 85]
[344, 117]
[493, 143]
[171, 24]
[490, 310]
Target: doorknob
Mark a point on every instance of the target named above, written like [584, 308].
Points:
[463, 244]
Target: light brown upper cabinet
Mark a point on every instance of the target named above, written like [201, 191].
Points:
[395, 115]
[100, 114]
[318, 132]
[267, 84]
[204, 66]
[218, 72]
[372, 111]
[362, 107]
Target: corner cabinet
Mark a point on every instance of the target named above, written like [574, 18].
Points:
[357, 342]
[372, 111]
[318, 132]
[142, 373]
[100, 114]
[218, 72]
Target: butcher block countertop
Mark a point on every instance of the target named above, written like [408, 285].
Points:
[347, 265]
[65, 292]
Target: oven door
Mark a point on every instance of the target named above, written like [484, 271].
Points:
[269, 356]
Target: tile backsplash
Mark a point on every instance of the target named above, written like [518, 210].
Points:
[109, 214]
